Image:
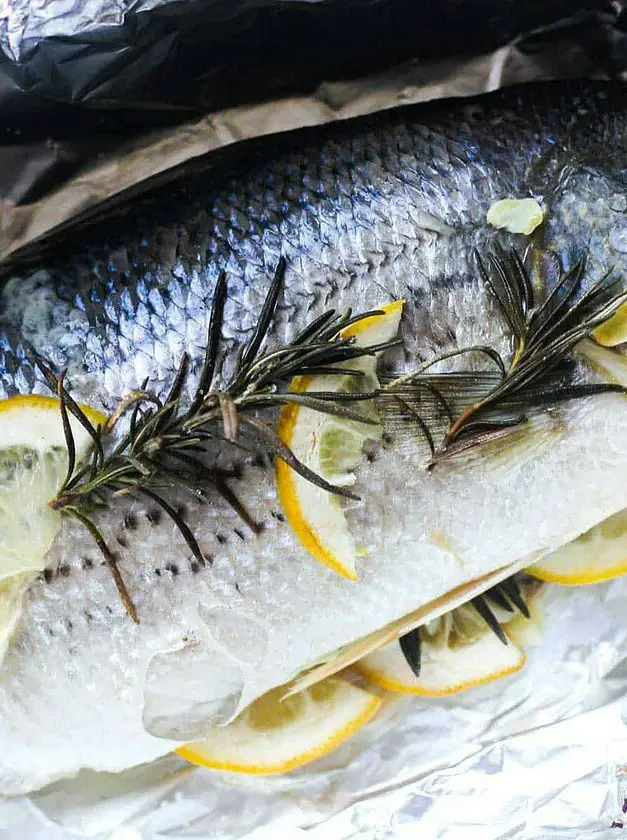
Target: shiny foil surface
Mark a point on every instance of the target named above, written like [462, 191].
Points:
[540, 754]
[51, 183]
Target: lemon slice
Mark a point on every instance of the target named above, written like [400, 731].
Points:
[598, 554]
[444, 670]
[458, 651]
[33, 463]
[275, 735]
[614, 330]
[332, 447]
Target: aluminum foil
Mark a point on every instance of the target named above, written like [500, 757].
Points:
[541, 754]
[70, 167]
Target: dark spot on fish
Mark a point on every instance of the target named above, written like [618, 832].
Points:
[451, 334]
[172, 567]
[278, 515]
[87, 563]
[121, 540]
[259, 460]
[223, 473]
[88, 615]
[70, 626]
[109, 610]
[182, 512]
[371, 451]
[50, 632]
[130, 521]
[239, 534]
[237, 586]
[153, 516]
[48, 575]
[158, 572]
[195, 566]
[64, 570]
[221, 538]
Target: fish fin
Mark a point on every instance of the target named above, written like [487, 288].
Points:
[457, 410]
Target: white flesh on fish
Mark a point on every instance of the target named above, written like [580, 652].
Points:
[74, 690]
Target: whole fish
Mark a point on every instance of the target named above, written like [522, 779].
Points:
[365, 212]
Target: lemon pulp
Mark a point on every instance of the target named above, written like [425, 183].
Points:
[33, 464]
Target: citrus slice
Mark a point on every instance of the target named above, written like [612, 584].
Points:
[332, 447]
[614, 330]
[458, 651]
[275, 735]
[598, 554]
[444, 670]
[33, 463]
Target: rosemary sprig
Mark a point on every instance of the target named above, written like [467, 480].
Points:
[163, 446]
[458, 410]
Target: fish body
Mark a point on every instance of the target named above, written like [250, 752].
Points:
[391, 207]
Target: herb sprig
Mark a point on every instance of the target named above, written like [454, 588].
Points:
[458, 410]
[166, 438]
[163, 446]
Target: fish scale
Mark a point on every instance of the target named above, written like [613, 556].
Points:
[364, 212]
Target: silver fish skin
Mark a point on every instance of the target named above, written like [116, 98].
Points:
[372, 210]
[364, 212]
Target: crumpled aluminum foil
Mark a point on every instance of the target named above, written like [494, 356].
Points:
[51, 184]
[541, 754]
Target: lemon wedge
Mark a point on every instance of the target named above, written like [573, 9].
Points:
[275, 735]
[458, 651]
[331, 447]
[33, 463]
[598, 554]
